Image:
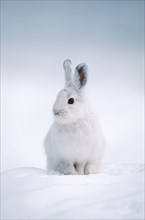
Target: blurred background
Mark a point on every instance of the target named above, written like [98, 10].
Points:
[36, 37]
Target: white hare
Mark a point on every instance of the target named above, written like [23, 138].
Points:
[74, 143]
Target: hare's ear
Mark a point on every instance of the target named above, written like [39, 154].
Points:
[80, 76]
[68, 72]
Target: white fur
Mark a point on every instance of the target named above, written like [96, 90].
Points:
[74, 143]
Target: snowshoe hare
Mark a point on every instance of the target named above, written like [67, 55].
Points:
[74, 143]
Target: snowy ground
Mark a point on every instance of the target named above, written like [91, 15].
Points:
[116, 193]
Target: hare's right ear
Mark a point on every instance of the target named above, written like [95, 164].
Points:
[80, 76]
[68, 72]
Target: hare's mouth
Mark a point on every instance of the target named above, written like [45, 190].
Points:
[60, 113]
[61, 117]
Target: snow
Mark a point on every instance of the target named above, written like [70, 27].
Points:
[115, 193]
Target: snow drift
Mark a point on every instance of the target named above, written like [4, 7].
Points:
[31, 193]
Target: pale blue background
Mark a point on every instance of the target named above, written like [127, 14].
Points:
[36, 36]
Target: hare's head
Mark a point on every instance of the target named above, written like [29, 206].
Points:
[70, 103]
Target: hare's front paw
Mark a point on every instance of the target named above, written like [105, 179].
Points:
[66, 168]
[69, 170]
[79, 167]
[91, 169]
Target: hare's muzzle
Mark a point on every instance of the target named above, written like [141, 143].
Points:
[56, 113]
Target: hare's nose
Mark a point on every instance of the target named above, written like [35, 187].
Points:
[57, 113]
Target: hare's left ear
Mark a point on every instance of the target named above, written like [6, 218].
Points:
[68, 72]
[80, 76]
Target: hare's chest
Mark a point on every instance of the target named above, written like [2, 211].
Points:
[83, 133]
[75, 142]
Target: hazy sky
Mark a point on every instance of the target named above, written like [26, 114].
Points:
[38, 35]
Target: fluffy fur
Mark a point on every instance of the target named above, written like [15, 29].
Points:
[74, 143]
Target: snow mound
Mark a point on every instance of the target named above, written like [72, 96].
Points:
[116, 193]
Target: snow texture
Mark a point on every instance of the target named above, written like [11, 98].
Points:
[116, 193]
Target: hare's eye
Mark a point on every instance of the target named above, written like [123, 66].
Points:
[71, 101]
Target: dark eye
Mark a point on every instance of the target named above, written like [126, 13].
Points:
[71, 101]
